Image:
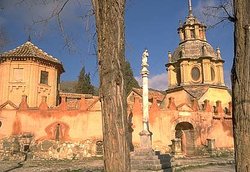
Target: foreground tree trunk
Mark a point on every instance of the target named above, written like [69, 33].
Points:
[109, 16]
[241, 85]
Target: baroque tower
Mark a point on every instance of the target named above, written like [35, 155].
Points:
[194, 65]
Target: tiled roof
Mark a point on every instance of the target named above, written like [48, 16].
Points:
[28, 49]
[159, 95]
[193, 50]
[8, 103]
[196, 91]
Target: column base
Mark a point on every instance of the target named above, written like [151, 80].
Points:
[146, 142]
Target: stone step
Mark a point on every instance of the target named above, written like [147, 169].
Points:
[149, 161]
[142, 153]
[165, 170]
[150, 167]
[155, 157]
[144, 157]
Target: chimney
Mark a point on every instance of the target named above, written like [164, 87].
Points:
[207, 106]
[171, 105]
[23, 105]
[218, 108]
[63, 104]
[195, 105]
[43, 105]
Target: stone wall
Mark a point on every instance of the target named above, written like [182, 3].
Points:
[24, 146]
[65, 133]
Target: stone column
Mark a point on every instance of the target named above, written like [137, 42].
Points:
[211, 145]
[145, 133]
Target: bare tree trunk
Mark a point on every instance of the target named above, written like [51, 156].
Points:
[109, 16]
[241, 85]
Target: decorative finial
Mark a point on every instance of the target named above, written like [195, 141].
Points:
[190, 8]
[29, 38]
[182, 53]
[180, 23]
[218, 53]
[169, 56]
[204, 50]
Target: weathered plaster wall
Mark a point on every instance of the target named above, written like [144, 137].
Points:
[85, 122]
[215, 94]
[75, 124]
[28, 83]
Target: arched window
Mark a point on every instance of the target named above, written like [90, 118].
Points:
[0, 124]
[192, 33]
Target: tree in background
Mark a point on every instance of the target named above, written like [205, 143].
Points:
[241, 85]
[84, 85]
[130, 81]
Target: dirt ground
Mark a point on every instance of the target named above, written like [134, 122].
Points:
[201, 164]
[52, 166]
[213, 168]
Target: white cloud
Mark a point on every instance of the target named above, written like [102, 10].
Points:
[158, 82]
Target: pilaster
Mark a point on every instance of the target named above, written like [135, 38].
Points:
[184, 73]
[172, 82]
[206, 66]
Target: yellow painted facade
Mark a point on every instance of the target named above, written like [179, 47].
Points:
[27, 70]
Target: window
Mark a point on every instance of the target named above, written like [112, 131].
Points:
[192, 33]
[17, 74]
[212, 74]
[0, 123]
[195, 73]
[44, 77]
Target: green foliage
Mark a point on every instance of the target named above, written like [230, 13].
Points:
[68, 86]
[84, 85]
[130, 81]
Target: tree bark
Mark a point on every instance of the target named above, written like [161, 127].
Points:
[241, 85]
[109, 16]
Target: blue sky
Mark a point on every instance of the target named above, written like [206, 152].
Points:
[150, 24]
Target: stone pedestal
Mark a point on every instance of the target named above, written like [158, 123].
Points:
[176, 148]
[145, 137]
[211, 145]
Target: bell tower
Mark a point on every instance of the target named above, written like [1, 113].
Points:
[194, 62]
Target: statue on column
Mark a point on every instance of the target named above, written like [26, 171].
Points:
[145, 58]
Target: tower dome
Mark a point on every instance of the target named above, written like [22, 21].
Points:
[194, 61]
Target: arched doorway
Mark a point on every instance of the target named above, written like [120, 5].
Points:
[185, 132]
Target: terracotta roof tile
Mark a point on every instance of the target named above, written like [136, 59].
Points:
[196, 91]
[159, 95]
[28, 49]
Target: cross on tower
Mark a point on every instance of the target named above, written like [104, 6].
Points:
[190, 8]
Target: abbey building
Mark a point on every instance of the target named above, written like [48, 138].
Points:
[194, 114]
